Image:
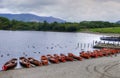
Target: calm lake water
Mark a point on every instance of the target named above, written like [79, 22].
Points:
[37, 43]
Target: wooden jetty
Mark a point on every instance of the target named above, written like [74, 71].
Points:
[106, 45]
[110, 38]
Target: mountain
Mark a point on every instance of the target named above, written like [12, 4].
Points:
[118, 22]
[31, 18]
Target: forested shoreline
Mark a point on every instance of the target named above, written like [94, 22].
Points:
[6, 24]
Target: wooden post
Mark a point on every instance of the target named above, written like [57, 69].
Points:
[81, 45]
[93, 42]
[84, 45]
[104, 42]
[88, 45]
[91, 45]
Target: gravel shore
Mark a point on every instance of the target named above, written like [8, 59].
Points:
[104, 67]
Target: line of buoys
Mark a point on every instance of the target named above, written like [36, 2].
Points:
[6, 55]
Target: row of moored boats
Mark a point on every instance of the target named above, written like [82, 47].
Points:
[30, 62]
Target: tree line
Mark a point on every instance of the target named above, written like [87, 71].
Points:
[6, 24]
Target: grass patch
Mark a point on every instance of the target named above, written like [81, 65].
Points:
[106, 30]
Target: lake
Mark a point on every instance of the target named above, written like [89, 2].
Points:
[36, 43]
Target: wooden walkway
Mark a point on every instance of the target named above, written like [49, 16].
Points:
[106, 45]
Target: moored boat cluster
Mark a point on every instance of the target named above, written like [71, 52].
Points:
[45, 59]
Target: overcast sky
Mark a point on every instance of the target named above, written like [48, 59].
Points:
[70, 10]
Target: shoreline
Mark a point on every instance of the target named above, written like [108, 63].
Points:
[105, 67]
[86, 31]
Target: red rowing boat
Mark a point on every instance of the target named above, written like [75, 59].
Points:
[52, 59]
[74, 56]
[10, 64]
[34, 61]
[44, 60]
[67, 58]
[24, 62]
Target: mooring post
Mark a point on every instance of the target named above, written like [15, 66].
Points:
[81, 45]
[91, 45]
[104, 42]
[113, 42]
[84, 45]
[88, 45]
[93, 42]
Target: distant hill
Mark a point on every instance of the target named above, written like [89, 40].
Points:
[31, 18]
[118, 22]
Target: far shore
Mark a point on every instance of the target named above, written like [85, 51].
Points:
[86, 31]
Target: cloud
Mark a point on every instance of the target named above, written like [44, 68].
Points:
[1, 6]
[28, 3]
[107, 0]
[70, 10]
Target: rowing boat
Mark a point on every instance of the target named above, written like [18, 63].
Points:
[34, 61]
[24, 62]
[10, 64]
